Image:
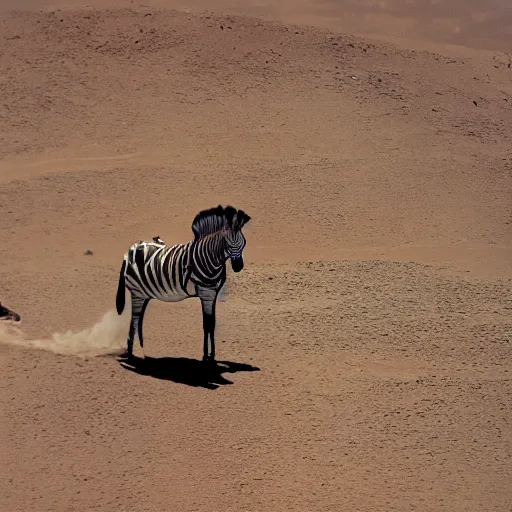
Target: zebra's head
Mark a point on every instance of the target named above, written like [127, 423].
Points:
[228, 222]
[235, 239]
[7, 314]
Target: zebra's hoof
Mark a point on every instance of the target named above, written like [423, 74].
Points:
[128, 356]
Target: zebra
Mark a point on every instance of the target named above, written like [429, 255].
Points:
[172, 273]
[8, 315]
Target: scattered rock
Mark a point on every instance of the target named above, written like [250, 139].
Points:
[88, 253]
[475, 103]
[222, 27]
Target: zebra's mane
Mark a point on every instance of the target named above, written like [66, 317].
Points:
[213, 220]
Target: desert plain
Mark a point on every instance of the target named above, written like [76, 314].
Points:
[364, 352]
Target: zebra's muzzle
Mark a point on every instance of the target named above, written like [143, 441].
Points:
[237, 264]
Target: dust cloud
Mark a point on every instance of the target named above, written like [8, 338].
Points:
[106, 337]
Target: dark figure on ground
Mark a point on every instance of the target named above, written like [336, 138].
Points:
[7, 314]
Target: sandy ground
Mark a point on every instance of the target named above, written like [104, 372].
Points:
[366, 346]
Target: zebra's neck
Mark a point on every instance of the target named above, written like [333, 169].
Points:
[208, 258]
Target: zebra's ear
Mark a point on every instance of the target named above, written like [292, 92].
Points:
[230, 215]
[241, 219]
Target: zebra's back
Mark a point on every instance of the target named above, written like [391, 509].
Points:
[158, 271]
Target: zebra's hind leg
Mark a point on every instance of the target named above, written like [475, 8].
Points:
[129, 343]
[138, 307]
[141, 320]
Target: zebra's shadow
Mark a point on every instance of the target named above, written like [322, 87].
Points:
[182, 370]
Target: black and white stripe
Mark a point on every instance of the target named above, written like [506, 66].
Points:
[154, 270]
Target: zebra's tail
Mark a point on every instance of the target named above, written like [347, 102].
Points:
[120, 298]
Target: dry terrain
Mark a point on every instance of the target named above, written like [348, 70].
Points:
[365, 351]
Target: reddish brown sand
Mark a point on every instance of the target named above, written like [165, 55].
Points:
[371, 327]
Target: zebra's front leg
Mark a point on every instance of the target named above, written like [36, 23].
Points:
[208, 298]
